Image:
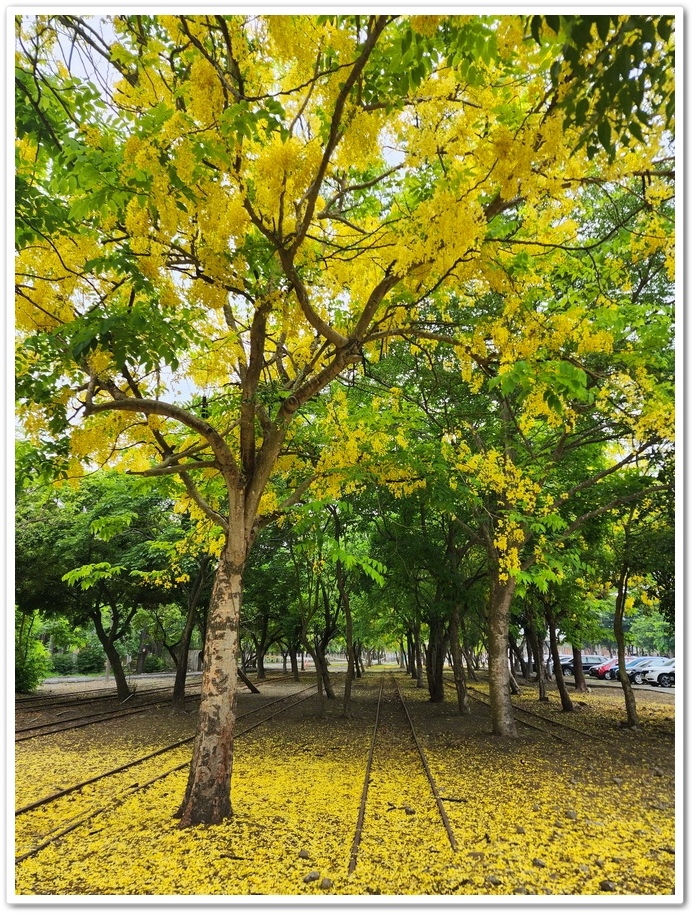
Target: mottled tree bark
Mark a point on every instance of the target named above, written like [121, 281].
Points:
[207, 799]
[457, 664]
[502, 715]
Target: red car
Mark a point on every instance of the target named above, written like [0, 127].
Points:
[602, 671]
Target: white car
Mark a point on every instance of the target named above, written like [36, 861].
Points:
[662, 675]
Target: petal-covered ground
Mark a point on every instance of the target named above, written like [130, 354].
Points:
[589, 812]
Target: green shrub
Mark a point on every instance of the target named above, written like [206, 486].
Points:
[91, 660]
[32, 665]
[63, 663]
[153, 663]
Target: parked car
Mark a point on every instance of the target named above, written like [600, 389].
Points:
[662, 675]
[637, 674]
[588, 661]
[561, 658]
[601, 670]
[631, 663]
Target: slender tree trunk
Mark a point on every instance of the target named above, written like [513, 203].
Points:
[107, 640]
[470, 666]
[142, 652]
[179, 694]
[418, 656]
[533, 637]
[619, 607]
[260, 666]
[293, 664]
[320, 680]
[411, 666]
[566, 702]
[457, 664]
[245, 680]
[114, 659]
[350, 652]
[435, 656]
[518, 656]
[578, 673]
[325, 676]
[502, 715]
[207, 799]
[357, 653]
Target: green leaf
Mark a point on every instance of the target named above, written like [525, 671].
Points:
[665, 27]
[603, 24]
[604, 135]
[636, 130]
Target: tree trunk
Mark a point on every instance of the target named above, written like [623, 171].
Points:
[325, 677]
[207, 799]
[457, 664]
[578, 673]
[350, 652]
[412, 667]
[357, 653]
[629, 696]
[533, 638]
[320, 680]
[179, 694]
[123, 691]
[502, 715]
[142, 652]
[107, 640]
[245, 680]
[566, 702]
[470, 666]
[350, 648]
[522, 662]
[418, 656]
[293, 664]
[435, 657]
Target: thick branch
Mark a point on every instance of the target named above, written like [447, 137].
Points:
[203, 505]
[148, 407]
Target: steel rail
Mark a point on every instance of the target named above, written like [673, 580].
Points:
[122, 798]
[93, 721]
[52, 728]
[536, 715]
[56, 795]
[443, 814]
[76, 698]
[366, 784]
[103, 716]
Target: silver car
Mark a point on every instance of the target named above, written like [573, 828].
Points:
[662, 675]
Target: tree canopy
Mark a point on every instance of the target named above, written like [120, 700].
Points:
[224, 222]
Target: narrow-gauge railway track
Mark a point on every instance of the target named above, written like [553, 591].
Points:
[106, 695]
[288, 702]
[52, 728]
[78, 698]
[483, 698]
[369, 774]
